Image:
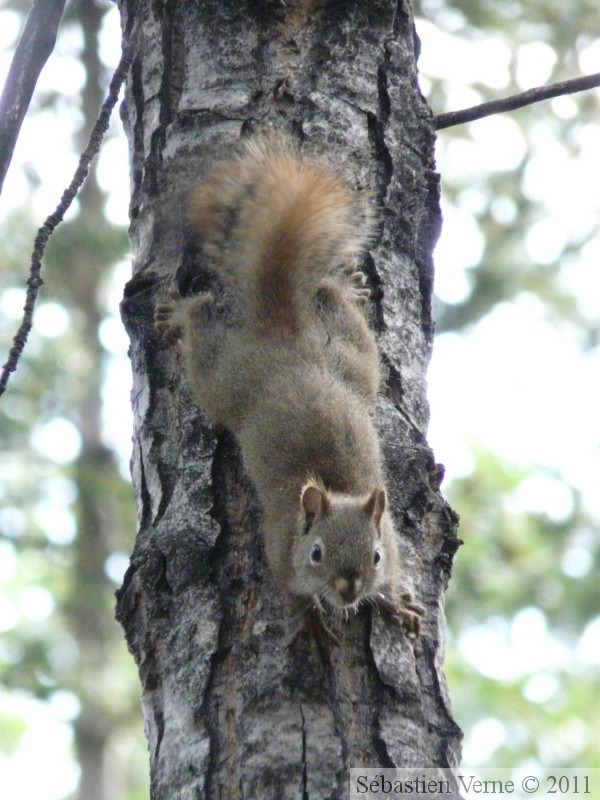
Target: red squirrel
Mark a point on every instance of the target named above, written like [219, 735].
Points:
[293, 378]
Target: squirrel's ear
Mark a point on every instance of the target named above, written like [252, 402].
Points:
[375, 505]
[315, 502]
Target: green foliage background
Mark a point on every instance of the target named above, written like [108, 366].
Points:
[515, 572]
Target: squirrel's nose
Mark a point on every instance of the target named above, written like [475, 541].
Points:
[348, 588]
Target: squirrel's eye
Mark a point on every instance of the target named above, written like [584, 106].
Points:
[316, 554]
[376, 557]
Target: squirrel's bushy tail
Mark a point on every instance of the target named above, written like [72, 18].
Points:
[273, 225]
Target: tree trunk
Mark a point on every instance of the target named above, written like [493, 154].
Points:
[230, 710]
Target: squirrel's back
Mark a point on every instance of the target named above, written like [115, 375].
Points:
[272, 226]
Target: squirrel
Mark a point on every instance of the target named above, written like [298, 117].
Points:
[294, 373]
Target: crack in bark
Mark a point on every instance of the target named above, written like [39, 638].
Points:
[448, 734]
[137, 163]
[159, 718]
[376, 127]
[167, 484]
[191, 113]
[395, 394]
[355, 106]
[428, 231]
[304, 761]
[144, 491]
[221, 701]
[173, 54]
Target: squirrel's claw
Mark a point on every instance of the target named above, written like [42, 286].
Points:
[358, 285]
[362, 296]
[410, 614]
[166, 322]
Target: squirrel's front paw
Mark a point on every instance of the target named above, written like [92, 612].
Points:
[358, 285]
[168, 320]
[410, 614]
[172, 314]
[404, 609]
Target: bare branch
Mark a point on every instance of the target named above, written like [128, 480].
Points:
[34, 47]
[44, 233]
[517, 101]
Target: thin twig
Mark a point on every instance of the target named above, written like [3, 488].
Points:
[34, 47]
[517, 101]
[44, 233]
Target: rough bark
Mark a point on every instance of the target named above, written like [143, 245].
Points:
[230, 711]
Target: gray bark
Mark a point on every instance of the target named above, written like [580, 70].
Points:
[230, 711]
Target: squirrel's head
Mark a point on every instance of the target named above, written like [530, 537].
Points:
[341, 553]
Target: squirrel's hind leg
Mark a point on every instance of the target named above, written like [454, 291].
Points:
[350, 346]
[169, 320]
[205, 335]
[192, 322]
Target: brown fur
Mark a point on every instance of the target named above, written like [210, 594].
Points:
[294, 380]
